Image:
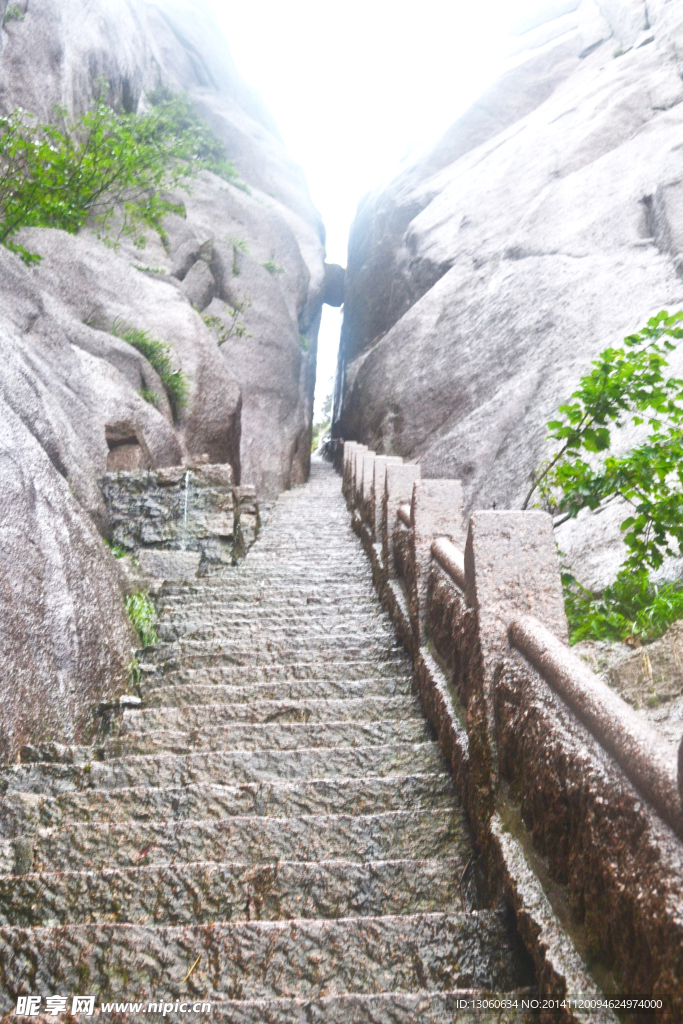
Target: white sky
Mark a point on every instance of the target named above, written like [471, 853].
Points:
[357, 85]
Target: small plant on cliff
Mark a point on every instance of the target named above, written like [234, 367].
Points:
[13, 13]
[158, 355]
[234, 327]
[273, 268]
[143, 617]
[628, 386]
[113, 170]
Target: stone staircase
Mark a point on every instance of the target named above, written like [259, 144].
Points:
[275, 830]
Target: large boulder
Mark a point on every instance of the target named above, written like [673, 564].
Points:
[547, 224]
[66, 642]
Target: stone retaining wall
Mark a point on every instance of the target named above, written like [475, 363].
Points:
[183, 520]
[574, 799]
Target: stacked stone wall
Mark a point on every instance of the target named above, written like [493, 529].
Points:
[183, 520]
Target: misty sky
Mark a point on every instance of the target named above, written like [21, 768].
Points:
[356, 87]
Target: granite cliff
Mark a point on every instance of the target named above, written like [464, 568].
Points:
[544, 225]
[73, 394]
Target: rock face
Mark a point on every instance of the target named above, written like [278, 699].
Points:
[243, 334]
[546, 224]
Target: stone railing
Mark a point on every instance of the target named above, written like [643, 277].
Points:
[575, 800]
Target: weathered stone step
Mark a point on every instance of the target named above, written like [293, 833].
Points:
[263, 602]
[284, 639]
[224, 767]
[199, 893]
[294, 582]
[314, 628]
[408, 833]
[271, 736]
[267, 602]
[22, 813]
[257, 959]
[300, 690]
[169, 672]
[316, 620]
[364, 709]
[265, 649]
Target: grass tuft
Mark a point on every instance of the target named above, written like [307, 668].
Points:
[158, 355]
[143, 617]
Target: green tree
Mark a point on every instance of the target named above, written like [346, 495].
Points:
[628, 386]
[110, 169]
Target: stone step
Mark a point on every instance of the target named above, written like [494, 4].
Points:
[257, 959]
[318, 602]
[23, 813]
[169, 672]
[322, 601]
[224, 767]
[198, 893]
[288, 693]
[270, 736]
[267, 650]
[408, 833]
[290, 639]
[266, 712]
[290, 581]
[318, 621]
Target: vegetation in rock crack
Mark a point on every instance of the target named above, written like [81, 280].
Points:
[629, 386]
[116, 550]
[238, 246]
[158, 355]
[304, 343]
[143, 617]
[273, 268]
[13, 13]
[149, 270]
[113, 170]
[234, 328]
[322, 428]
[147, 395]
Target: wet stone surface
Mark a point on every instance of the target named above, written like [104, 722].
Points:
[276, 810]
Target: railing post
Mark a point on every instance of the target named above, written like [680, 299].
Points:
[511, 569]
[378, 477]
[437, 510]
[366, 491]
[357, 457]
[398, 488]
[349, 448]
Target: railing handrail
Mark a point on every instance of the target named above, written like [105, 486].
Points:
[404, 513]
[451, 560]
[645, 756]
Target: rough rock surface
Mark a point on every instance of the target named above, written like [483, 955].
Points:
[546, 224]
[650, 678]
[72, 390]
